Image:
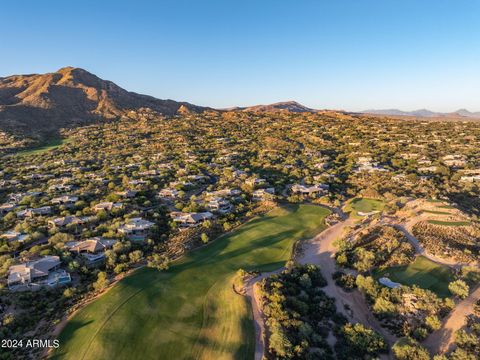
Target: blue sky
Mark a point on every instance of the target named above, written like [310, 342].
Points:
[339, 54]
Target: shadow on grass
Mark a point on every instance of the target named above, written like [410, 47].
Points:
[68, 333]
[181, 290]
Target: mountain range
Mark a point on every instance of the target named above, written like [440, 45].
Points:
[41, 104]
[285, 106]
[424, 113]
[38, 105]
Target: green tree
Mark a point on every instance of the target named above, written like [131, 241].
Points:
[368, 285]
[409, 349]
[69, 292]
[364, 259]
[459, 288]
[279, 343]
[102, 281]
[158, 261]
[433, 322]
[135, 256]
[359, 341]
[60, 238]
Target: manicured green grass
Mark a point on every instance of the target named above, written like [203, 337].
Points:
[365, 205]
[46, 146]
[189, 311]
[449, 223]
[436, 212]
[422, 272]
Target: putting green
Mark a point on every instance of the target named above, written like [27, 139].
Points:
[189, 311]
[44, 147]
[449, 223]
[436, 212]
[364, 205]
[422, 272]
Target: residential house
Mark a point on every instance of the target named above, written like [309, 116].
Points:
[153, 172]
[311, 191]
[35, 274]
[136, 229]
[13, 235]
[238, 173]
[223, 193]
[69, 222]
[61, 187]
[6, 208]
[93, 250]
[107, 206]
[44, 210]
[169, 193]
[471, 178]
[190, 219]
[365, 163]
[428, 169]
[254, 182]
[198, 178]
[220, 205]
[127, 193]
[181, 184]
[264, 194]
[454, 160]
[16, 198]
[66, 200]
[136, 182]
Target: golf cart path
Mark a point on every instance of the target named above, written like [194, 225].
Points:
[404, 228]
[258, 317]
[319, 251]
[442, 340]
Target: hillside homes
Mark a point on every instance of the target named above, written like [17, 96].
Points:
[34, 274]
[191, 219]
[136, 229]
[311, 191]
[92, 250]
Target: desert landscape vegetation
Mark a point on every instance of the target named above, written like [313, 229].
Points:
[239, 180]
[275, 232]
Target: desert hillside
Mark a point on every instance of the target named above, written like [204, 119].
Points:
[43, 103]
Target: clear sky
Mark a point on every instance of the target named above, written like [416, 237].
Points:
[338, 54]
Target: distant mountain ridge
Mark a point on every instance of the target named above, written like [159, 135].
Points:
[37, 105]
[44, 103]
[284, 106]
[423, 113]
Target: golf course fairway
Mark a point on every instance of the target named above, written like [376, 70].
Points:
[189, 311]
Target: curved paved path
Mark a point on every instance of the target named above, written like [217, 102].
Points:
[319, 251]
[419, 248]
[442, 340]
[258, 317]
